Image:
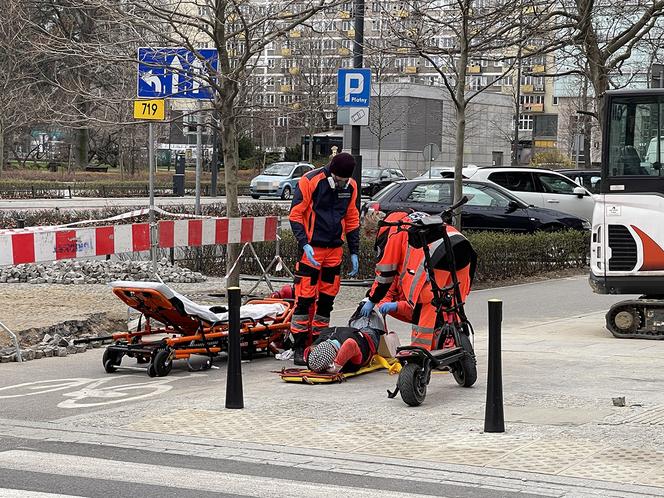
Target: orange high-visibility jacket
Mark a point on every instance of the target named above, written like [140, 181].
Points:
[321, 215]
[393, 242]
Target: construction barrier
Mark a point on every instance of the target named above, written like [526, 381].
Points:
[42, 244]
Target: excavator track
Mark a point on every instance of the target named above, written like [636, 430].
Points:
[641, 318]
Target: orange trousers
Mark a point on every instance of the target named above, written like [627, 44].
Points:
[316, 286]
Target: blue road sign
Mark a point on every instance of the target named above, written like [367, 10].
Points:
[175, 73]
[353, 87]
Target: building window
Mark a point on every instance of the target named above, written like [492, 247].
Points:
[345, 26]
[555, 100]
[269, 99]
[270, 63]
[282, 121]
[526, 122]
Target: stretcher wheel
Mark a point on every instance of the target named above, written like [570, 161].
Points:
[465, 370]
[110, 360]
[412, 384]
[161, 363]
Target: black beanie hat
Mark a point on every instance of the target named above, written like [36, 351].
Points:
[342, 165]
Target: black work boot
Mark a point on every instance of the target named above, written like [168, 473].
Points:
[298, 349]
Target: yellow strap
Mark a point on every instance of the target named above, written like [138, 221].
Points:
[391, 364]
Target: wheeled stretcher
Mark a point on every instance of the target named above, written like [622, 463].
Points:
[175, 327]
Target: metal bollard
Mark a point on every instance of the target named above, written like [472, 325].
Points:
[20, 223]
[494, 420]
[234, 395]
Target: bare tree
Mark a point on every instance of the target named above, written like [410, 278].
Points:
[239, 31]
[605, 34]
[452, 35]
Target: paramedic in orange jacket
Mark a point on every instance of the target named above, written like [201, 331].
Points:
[391, 246]
[323, 212]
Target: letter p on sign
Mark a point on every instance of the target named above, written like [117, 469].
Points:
[354, 85]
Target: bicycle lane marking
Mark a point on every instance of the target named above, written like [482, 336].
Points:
[92, 390]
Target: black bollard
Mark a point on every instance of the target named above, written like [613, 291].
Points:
[494, 420]
[20, 223]
[234, 395]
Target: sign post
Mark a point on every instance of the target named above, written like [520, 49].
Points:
[353, 100]
[151, 110]
[430, 153]
[176, 73]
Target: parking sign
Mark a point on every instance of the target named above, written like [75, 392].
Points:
[354, 87]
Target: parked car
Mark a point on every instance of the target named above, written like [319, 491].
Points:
[588, 178]
[278, 180]
[374, 179]
[541, 188]
[446, 172]
[490, 207]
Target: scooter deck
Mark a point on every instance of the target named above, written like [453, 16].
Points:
[305, 376]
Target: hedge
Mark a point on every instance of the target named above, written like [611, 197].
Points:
[500, 255]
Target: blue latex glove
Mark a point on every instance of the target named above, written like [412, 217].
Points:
[387, 308]
[309, 251]
[366, 309]
[355, 261]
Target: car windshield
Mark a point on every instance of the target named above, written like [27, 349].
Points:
[384, 191]
[278, 169]
[370, 173]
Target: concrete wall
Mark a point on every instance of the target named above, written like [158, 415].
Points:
[407, 117]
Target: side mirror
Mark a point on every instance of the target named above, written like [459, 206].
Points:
[512, 206]
[579, 192]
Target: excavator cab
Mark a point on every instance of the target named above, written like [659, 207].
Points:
[627, 245]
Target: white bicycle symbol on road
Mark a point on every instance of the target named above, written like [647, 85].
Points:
[92, 392]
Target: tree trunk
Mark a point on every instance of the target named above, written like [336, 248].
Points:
[460, 136]
[231, 161]
[2, 150]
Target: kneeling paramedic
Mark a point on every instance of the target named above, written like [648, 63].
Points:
[346, 349]
[322, 213]
[391, 246]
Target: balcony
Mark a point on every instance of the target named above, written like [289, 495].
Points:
[295, 34]
[533, 107]
[350, 33]
[411, 69]
[285, 13]
[545, 144]
[344, 14]
[294, 71]
[402, 50]
[284, 88]
[474, 69]
[343, 51]
[539, 68]
[402, 13]
[527, 88]
[285, 52]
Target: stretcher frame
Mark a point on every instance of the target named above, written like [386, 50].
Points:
[185, 334]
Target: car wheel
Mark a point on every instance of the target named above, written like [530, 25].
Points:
[286, 194]
[254, 196]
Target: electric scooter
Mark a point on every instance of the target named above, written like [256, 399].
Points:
[417, 363]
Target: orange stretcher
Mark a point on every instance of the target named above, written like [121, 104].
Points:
[176, 328]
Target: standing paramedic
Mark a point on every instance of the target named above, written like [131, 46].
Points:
[323, 211]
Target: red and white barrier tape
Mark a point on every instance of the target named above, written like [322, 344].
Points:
[56, 243]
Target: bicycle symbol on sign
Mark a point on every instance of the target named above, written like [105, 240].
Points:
[89, 393]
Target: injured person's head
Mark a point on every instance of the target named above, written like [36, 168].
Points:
[321, 356]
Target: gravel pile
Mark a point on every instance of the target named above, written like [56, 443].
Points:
[96, 272]
[55, 345]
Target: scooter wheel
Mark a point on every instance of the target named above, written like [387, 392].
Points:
[162, 362]
[412, 384]
[465, 370]
[111, 360]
